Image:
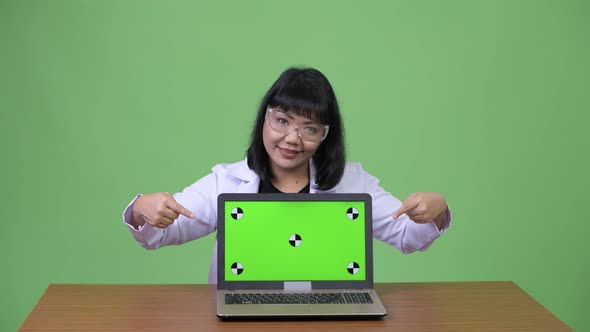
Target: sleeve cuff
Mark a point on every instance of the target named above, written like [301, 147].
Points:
[447, 222]
[127, 215]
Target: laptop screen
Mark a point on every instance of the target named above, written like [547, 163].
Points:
[306, 238]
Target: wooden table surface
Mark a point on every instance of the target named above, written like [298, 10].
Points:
[444, 306]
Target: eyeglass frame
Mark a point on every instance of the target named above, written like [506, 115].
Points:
[326, 127]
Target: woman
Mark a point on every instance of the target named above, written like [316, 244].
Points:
[297, 146]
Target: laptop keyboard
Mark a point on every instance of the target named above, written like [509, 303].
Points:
[298, 298]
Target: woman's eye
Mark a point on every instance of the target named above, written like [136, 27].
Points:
[282, 121]
[311, 130]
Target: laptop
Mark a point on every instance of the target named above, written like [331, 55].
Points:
[290, 255]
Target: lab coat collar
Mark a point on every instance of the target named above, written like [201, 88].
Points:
[248, 180]
[241, 171]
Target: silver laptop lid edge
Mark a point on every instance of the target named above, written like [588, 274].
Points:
[222, 284]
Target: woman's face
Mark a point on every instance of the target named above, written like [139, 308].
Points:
[281, 135]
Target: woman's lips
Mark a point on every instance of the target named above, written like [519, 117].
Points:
[289, 154]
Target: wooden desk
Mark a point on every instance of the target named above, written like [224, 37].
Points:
[450, 306]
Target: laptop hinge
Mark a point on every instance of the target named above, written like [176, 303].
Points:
[297, 286]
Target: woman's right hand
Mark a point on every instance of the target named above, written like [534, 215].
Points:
[157, 209]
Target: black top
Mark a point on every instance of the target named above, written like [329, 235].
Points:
[269, 188]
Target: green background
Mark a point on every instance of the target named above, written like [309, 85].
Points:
[260, 241]
[484, 101]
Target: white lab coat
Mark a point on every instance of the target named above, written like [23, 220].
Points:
[201, 199]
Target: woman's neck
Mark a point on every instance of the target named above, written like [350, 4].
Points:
[290, 181]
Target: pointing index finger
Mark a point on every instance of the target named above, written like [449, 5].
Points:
[181, 210]
[406, 206]
[399, 212]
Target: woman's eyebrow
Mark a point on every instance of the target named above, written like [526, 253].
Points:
[307, 120]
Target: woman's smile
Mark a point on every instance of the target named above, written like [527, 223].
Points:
[288, 153]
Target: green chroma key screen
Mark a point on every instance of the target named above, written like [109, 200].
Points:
[294, 240]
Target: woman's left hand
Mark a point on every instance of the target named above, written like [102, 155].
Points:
[424, 207]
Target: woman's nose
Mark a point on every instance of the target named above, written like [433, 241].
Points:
[293, 136]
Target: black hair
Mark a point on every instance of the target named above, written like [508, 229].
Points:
[306, 92]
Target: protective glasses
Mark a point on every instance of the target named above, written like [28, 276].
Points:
[285, 123]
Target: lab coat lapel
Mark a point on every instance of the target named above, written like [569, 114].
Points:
[249, 181]
[249, 187]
